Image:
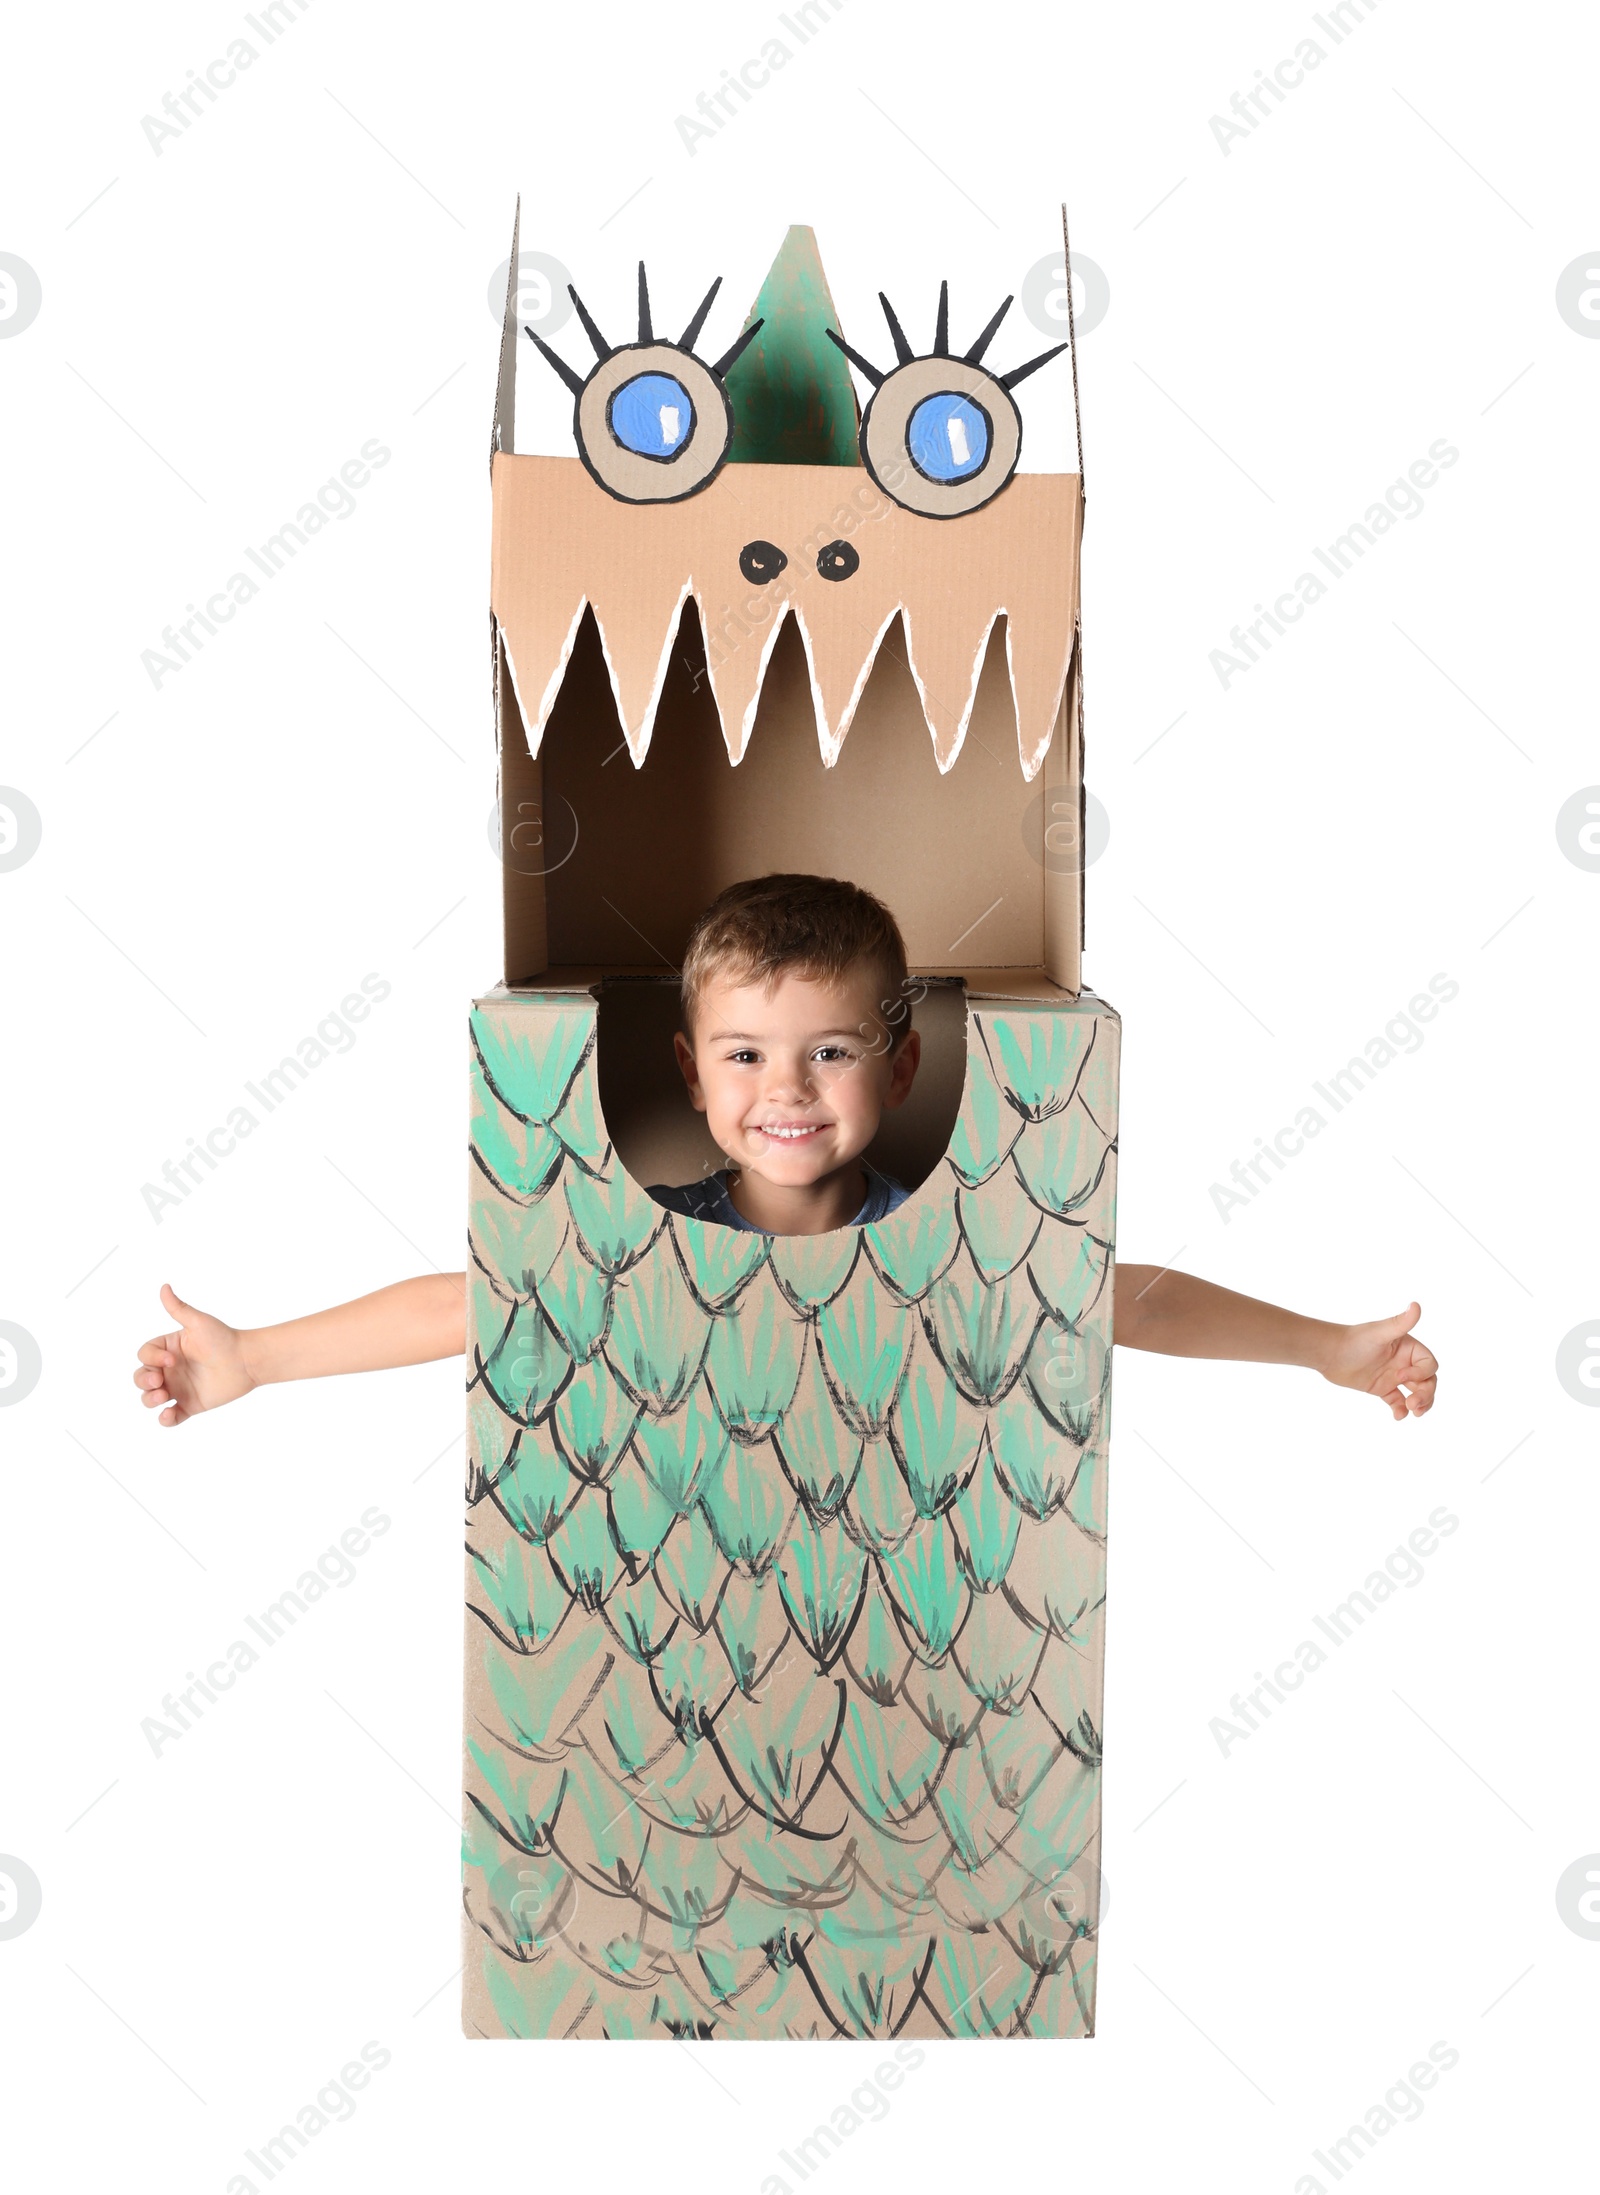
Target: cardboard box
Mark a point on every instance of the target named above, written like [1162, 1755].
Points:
[785, 1570]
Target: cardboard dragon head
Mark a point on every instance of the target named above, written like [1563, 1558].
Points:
[735, 539]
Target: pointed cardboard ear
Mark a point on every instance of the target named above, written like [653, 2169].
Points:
[503, 433]
[793, 402]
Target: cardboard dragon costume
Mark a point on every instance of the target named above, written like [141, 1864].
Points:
[786, 1555]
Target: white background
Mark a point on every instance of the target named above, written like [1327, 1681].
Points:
[1292, 322]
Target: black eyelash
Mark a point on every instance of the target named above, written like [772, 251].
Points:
[904, 354]
[604, 350]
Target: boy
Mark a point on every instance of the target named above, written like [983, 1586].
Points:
[796, 1041]
[797, 1038]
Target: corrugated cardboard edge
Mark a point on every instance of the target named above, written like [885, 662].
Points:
[1072, 338]
[1075, 675]
[503, 433]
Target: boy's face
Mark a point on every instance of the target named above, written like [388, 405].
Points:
[794, 1080]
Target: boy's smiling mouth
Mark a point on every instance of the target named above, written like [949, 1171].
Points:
[790, 1131]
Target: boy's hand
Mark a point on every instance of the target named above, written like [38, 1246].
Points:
[200, 1367]
[1386, 1359]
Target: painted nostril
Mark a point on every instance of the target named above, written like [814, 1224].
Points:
[837, 561]
[761, 561]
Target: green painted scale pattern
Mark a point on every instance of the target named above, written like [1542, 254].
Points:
[786, 1570]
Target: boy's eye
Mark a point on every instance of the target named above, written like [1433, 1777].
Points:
[831, 1052]
[743, 1059]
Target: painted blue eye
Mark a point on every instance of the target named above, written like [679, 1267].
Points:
[652, 415]
[948, 437]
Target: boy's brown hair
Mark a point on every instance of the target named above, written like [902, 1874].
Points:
[818, 927]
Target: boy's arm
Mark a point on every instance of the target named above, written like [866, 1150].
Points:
[1156, 1308]
[206, 1363]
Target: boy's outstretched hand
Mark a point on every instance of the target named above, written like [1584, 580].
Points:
[1157, 1308]
[1385, 1358]
[199, 1367]
[205, 1363]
